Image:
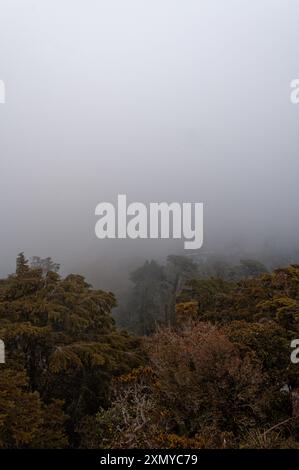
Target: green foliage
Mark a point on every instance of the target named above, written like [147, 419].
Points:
[25, 421]
[61, 335]
[220, 377]
[152, 299]
[211, 370]
[45, 264]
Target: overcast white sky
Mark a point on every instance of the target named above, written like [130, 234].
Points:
[176, 100]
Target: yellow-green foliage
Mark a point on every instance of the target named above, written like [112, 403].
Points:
[61, 340]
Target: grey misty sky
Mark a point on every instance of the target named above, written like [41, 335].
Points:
[158, 99]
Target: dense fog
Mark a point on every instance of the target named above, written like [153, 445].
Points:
[159, 100]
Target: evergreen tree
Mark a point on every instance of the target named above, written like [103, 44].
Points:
[61, 334]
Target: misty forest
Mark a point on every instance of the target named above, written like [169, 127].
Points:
[142, 341]
[196, 356]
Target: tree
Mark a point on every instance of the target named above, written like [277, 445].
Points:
[195, 392]
[25, 421]
[151, 301]
[60, 332]
[220, 376]
[46, 264]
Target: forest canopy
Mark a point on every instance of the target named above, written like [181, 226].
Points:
[207, 367]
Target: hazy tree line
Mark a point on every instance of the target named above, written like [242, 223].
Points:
[208, 365]
[152, 298]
